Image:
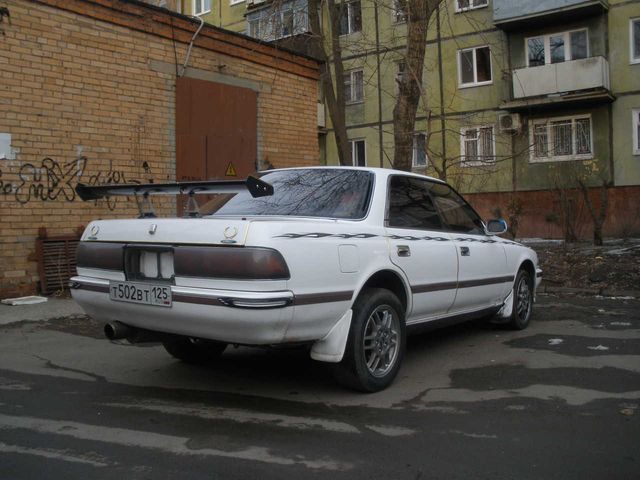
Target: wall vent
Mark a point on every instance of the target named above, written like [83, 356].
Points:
[56, 262]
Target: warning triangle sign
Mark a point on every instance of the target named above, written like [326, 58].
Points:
[231, 171]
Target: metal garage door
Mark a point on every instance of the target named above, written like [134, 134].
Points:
[216, 130]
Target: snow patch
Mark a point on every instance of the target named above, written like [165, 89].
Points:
[599, 347]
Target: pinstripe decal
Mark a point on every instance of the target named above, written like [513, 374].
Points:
[436, 287]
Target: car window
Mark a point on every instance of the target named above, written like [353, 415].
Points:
[329, 193]
[456, 213]
[410, 205]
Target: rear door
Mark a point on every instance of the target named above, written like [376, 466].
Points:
[419, 246]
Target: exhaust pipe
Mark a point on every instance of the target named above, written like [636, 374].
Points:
[119, 331]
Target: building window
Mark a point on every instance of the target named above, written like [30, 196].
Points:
[254, 28]
[636, 131]
[350, 17]
[634, 40]
[235, 2]
[201, 7]
[401, 68]
[358, 153]
[474, 67]
[399, 11]
[477, 146]
[565, 138]
[286, 23]
[557, 47]
[275, 23]
[464, 5]
[354, 86]
[419, 151]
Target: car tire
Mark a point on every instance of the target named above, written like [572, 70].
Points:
[194, 351]
[522, 301]
[376, 343]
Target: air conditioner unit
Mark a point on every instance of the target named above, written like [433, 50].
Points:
[509, 122]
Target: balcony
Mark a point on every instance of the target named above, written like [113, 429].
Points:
[575, 81]
[516, 14]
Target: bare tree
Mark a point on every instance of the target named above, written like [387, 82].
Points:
[324, 41]
[597, 216]
[327, 46]
[410, 89]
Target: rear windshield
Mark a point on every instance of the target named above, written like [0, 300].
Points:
[330, 193]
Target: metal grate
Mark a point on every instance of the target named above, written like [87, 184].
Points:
[56, 262]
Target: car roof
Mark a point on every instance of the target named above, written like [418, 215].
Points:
[385, 172]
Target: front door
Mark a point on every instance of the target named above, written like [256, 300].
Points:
[483, 278]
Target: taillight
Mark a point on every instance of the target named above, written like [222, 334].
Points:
[237, 263]
[103, 255]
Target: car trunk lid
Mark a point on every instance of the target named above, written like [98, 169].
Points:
[192, 231]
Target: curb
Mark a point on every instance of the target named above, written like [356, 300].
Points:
[603, 291]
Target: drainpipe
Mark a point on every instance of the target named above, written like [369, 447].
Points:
[186, 60]
[441, 79]
[375, 11]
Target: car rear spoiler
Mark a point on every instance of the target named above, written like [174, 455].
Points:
[256, 187]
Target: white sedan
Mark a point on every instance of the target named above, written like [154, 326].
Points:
[345, 260]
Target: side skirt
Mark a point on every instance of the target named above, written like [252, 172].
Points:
[453, 320]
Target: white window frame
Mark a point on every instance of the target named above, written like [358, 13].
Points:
[487, 159]
[471, 6]
[203, 12]
[257, 22]
[547, 45]
[353, 151]
[559, 158]
[235, 2]
[633, 60]
[352, 86]
[396, 12]
[414, 153]
[399, 72]
[475, 82]
[635, 124]
[347, 5]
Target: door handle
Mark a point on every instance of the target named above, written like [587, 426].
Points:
[404, 251]
[464, 251]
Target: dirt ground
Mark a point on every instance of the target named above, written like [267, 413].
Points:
[614, 266]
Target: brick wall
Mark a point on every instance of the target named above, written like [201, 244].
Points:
[542, 215]
[82, 103]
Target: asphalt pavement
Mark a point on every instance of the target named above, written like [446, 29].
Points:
[559, 400]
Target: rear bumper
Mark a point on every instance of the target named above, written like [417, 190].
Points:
[254, 318]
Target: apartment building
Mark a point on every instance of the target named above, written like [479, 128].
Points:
[520, 97]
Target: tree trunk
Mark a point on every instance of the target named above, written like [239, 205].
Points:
[410, 85]
[600, 216]
[333, 95]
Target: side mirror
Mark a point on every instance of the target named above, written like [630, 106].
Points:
[496, 227]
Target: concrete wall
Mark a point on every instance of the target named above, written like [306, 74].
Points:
[87, 94]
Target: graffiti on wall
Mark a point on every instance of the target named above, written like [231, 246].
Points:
[51, 180]
[4, 12]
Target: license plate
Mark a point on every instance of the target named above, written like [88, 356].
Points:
[145, 293]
